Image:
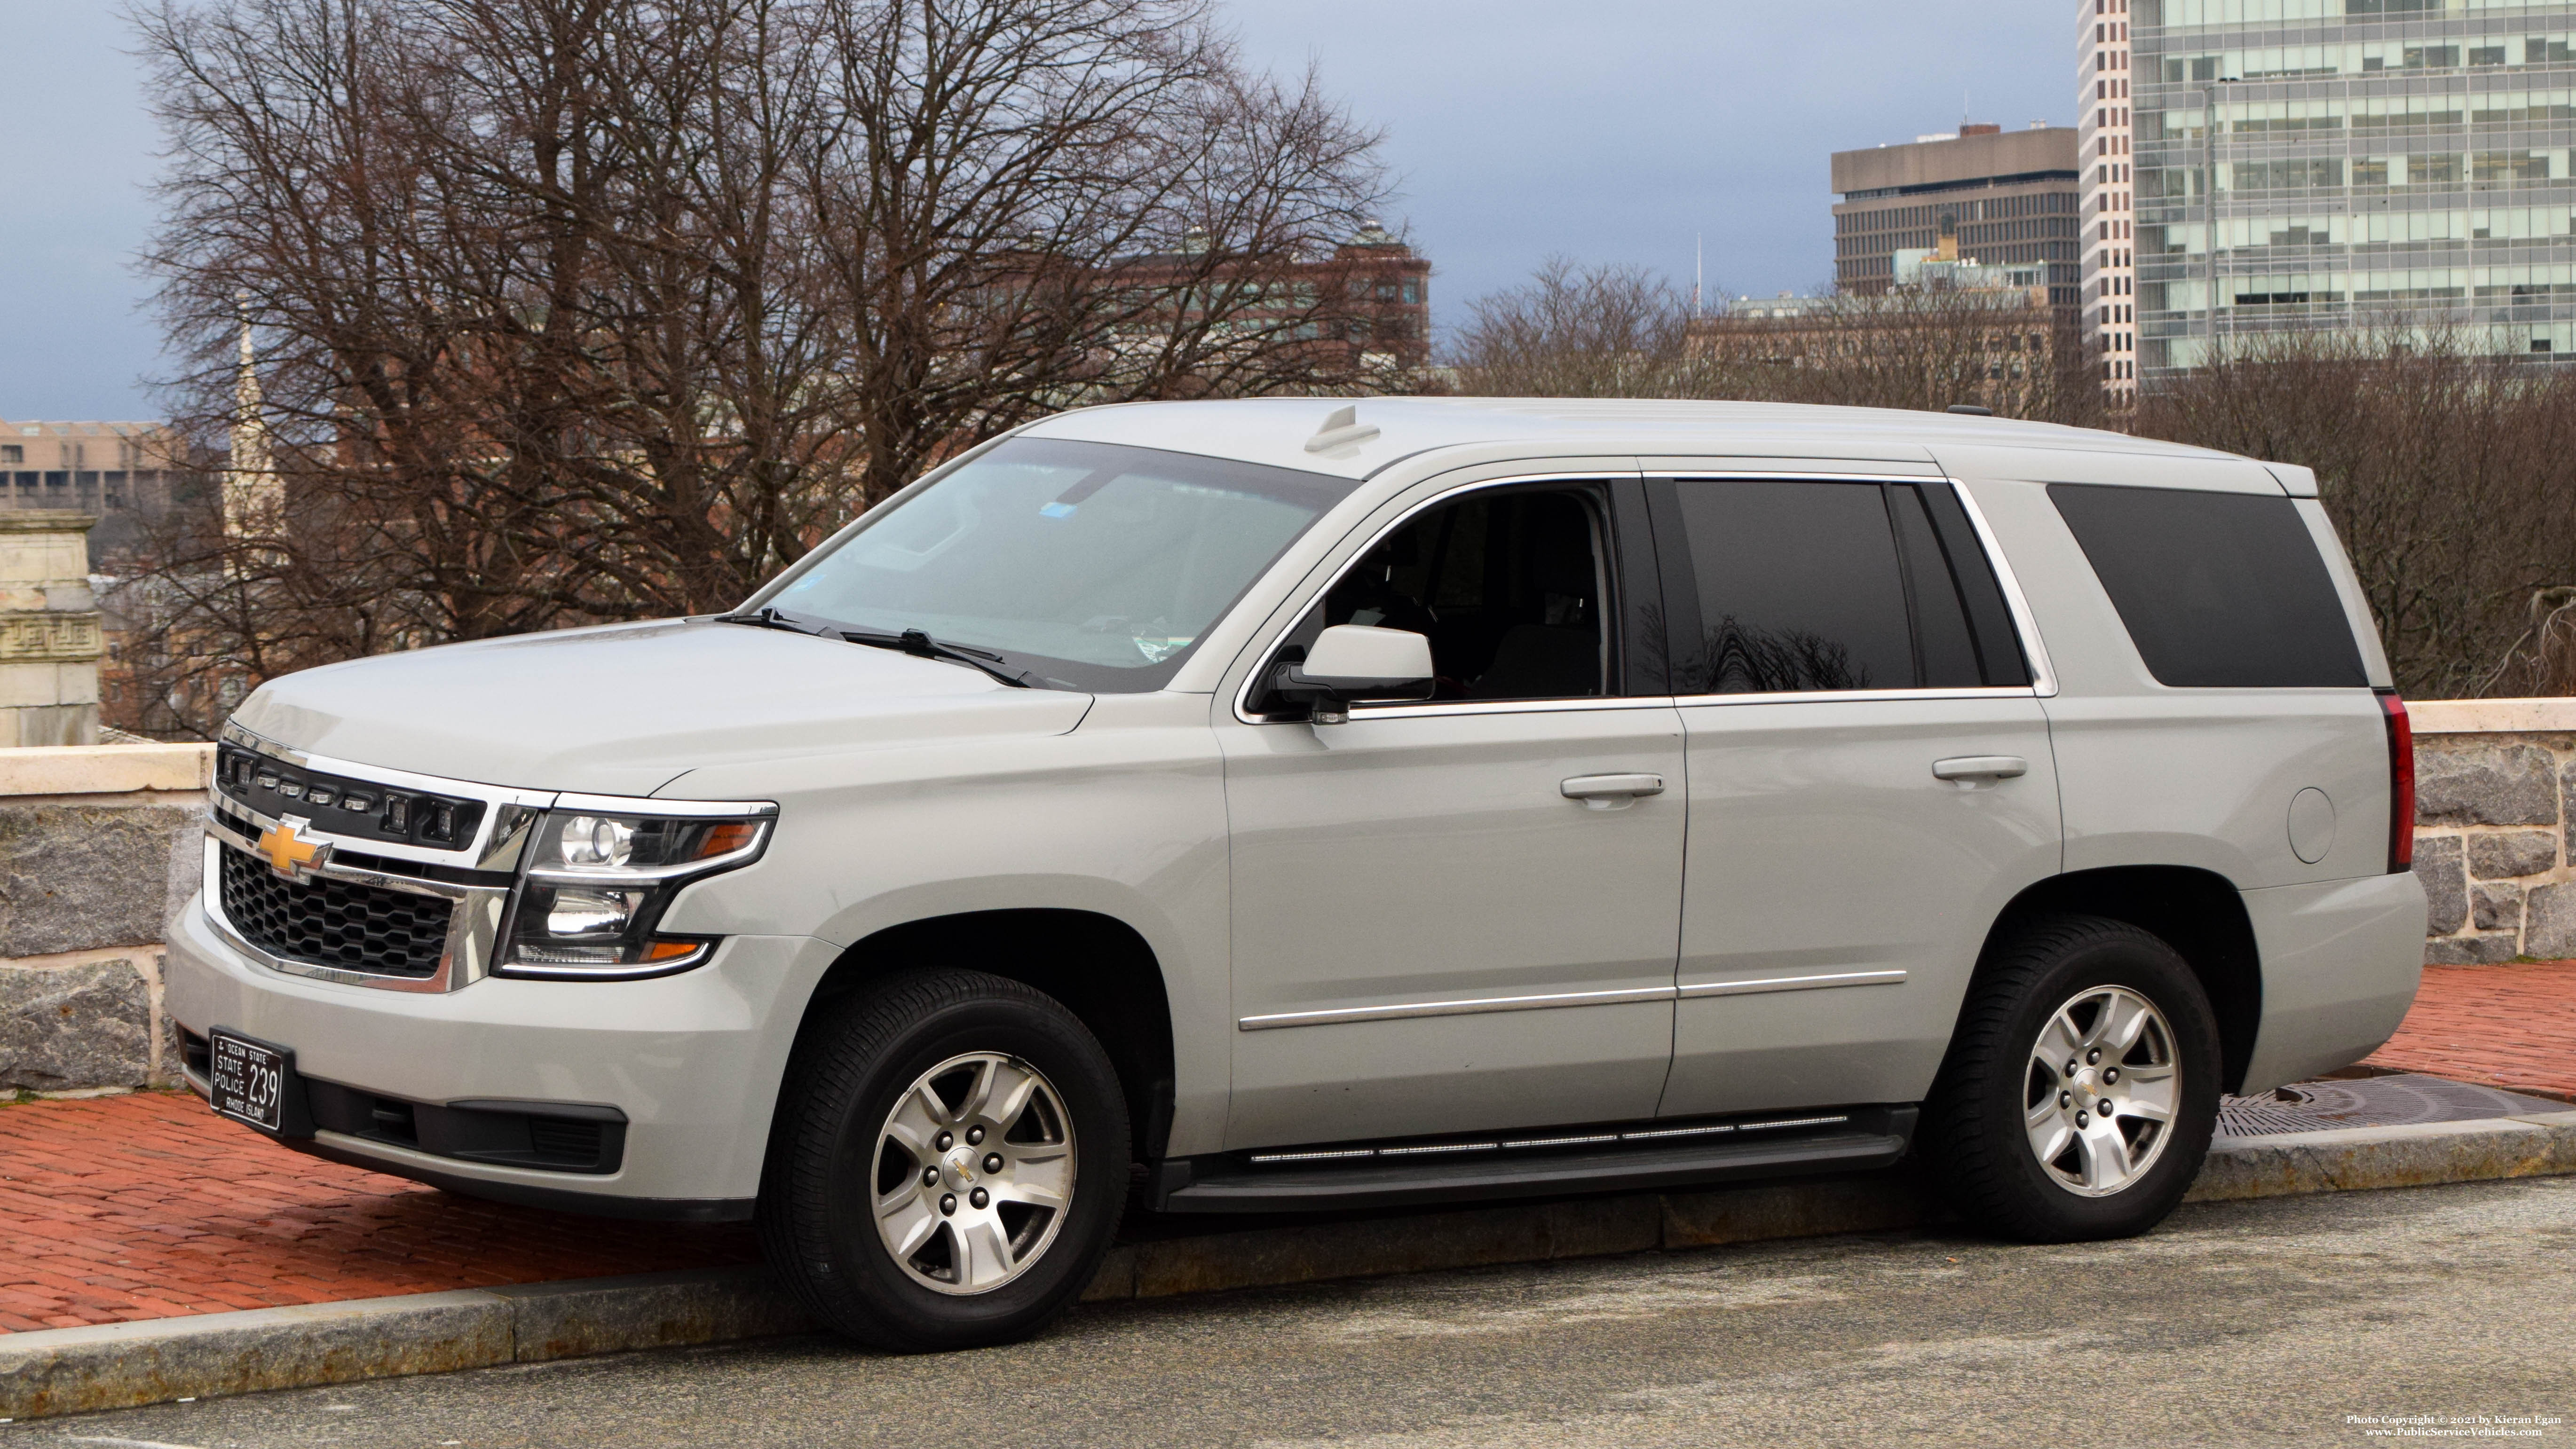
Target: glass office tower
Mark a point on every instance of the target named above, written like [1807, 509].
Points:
[2350, 164]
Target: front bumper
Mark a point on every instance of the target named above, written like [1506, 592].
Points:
[693, 1061]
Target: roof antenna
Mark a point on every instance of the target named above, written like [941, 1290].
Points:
[1342, 429]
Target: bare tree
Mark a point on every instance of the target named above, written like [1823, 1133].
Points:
[1022, 204]
[571, 310]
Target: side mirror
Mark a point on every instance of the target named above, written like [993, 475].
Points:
[1353, 662]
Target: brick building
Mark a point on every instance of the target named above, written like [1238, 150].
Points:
[1371, 296]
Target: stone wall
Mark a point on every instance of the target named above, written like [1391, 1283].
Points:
[97, 846]
[2494, 784]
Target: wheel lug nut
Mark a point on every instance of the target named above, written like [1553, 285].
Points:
[992, 1162]
[979, 1197]
[947, 1203]
[930, 1177]
[2066, 1099]
[944, 1141]
[2094, 1055]
[2110, 1074]
[2079, 1121]
[974, 1136]
[2070, 1066]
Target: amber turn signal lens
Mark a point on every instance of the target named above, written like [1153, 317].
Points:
[668, 950]
[726, 837]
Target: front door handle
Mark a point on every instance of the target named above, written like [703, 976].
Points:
[1610, 792]
[1980, 767]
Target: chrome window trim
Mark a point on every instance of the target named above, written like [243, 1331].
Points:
[473, 926]
[1850, 696]
[1775, 476]
[1491, 706]
[1243, 713]
[1626, 996]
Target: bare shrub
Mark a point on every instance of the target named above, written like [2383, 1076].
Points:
[1609, 331]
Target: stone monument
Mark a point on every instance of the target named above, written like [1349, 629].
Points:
[49, 629]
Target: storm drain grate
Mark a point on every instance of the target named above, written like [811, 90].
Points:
[2392, 1101]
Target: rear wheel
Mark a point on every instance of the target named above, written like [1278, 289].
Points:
[2081, 1092]
[950, 1163]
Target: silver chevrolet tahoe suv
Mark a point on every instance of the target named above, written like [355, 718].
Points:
[1283, 805]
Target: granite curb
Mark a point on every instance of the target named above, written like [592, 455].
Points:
[79, 1370]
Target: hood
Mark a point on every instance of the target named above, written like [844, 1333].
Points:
[627, 709]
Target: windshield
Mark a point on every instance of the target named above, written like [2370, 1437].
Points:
[1089, 565]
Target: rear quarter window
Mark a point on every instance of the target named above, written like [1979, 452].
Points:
[2216, 589]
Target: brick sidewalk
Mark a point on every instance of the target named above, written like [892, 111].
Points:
[148, 1206]
[2505, 1026]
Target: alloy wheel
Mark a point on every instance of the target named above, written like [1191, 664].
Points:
[974, 1172]
[2099, 1094]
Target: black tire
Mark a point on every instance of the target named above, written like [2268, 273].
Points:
[1975, 1129]
[828, 1156]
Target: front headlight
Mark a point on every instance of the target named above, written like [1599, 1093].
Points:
[597, 884]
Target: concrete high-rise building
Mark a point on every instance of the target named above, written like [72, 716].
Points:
[2005, 198]
[2340, 164]
[2103, 136]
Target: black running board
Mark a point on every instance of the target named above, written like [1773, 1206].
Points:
[1867, 1138]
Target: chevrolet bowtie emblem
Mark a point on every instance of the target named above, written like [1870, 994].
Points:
[289, 853]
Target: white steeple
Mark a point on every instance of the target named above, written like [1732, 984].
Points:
[254, 498]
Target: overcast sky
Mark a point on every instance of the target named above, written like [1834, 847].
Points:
[1609, 130]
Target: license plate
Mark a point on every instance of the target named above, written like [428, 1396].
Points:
[247, 1080]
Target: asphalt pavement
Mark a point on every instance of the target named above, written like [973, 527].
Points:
[2445, 1312]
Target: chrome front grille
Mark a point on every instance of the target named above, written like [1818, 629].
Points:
[335, 923]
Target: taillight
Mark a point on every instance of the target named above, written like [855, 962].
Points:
[2401, 782]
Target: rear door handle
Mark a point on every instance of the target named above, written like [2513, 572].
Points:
[1610, 792]
[1980, 767]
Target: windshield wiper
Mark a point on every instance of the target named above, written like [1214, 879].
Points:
[765, 618]
[922, 646]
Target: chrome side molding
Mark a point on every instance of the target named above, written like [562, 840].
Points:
[1477, 1006]
[1792, 983]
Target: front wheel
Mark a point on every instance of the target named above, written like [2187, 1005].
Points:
[2080, 1095]
[950, 1163]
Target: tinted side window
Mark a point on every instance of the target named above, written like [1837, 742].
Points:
[1941, 635]
[1799, 589]
[2217, 589]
